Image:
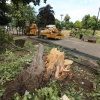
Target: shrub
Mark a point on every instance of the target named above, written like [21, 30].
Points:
[5, 40]
[76, 33]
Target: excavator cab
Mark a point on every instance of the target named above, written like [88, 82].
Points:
[32, 30]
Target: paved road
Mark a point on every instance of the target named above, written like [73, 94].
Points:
[86, 47]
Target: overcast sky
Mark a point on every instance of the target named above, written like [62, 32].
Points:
[76, 9]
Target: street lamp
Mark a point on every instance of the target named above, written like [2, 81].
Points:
[61, 19]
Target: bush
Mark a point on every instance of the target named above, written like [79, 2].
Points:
[5, 40]
[76, 33]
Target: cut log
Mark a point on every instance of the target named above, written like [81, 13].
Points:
[38, 73]
[90, 38]
[64, 97]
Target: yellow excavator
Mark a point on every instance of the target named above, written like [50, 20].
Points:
[31, 30]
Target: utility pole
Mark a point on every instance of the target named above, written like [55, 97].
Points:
[61, 19]
[96, 21]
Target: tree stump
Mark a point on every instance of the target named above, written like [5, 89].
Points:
[38, 74]
[20, 42]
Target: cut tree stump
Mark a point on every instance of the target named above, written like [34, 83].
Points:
[38, 74]
[20, 42]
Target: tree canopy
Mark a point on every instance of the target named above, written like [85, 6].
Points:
[89, 21]
[78, 24]
[66, 21]
[36, 2]
[3, 12]
[4, 19]
[24, 13]
[45, 16]
[57, 23]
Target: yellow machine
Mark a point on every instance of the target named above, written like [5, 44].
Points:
[31, 30]
[51, 32]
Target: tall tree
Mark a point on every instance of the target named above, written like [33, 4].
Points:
[98, 25]
[3, 13]
[71, 25]
[66, 21]
[78, 24]
[89, 22]
[3, 8]
[92, 22]
[67, 18]
[57, 23]
[45, 16]
[85, 21]
[25, 13]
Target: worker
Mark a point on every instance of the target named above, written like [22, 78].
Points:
[81, 35]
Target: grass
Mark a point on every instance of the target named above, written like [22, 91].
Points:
[67, 34]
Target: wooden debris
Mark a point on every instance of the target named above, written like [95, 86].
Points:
[94, 85]
[64, 97]
[55, 62]
[90, 38]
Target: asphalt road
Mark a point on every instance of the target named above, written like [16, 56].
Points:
[86, 47]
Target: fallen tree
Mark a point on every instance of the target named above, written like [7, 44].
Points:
[42, 69]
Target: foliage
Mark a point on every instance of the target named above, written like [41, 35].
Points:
[66, 21]
[12, 62]
[4, 19]
[98, 24]
[47, 49]
[71, 25]
[25, 2]
[5, 40]
[11, 65]
[85, 21]
[84, 32]
[19, 16]
[92, 22]
[78, 24]
[47, 93]
[8, 69]
[74, 95]
[45, 16]
[57, 23]
[67, 18]
[89, 21]
[95, 94]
